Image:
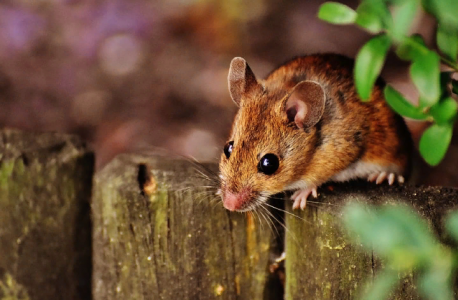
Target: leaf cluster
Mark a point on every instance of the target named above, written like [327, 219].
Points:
[390, 21]
[404, 242]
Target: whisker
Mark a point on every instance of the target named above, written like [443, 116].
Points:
[308, 201]
[269, 221]
[271, 218]
[204, 176]
[284, 211]
[326, 203]
[259, 219]
[283, 225]
[216, 202]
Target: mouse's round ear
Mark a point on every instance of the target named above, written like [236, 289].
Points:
[241, 80]
[305, 104]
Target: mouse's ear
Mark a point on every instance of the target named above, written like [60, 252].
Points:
[241, 80]
[305, 104]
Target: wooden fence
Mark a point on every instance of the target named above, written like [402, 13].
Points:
[149, 227]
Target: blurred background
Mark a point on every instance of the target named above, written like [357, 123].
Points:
[128, 75]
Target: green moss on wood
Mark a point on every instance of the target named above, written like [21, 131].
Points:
[173, 243]
[44, 217]
[321, 264]
[10, 289]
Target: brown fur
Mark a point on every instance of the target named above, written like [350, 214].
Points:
[349, 130]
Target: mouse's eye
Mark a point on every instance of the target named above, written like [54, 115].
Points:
[228, 149]
[268, 164]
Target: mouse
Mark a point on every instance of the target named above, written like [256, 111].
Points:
[305, 125]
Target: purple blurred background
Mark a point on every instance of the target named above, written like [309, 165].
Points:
[128, 75]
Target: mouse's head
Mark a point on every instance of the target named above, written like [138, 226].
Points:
[272, 140]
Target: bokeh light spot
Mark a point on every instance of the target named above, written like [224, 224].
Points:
[121, 54]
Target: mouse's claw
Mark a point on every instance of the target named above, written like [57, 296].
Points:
[382, 176]
[300, 197]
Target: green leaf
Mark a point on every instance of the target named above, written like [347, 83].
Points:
[358, 219]
[412, 48]
[400, 105]
[444, 79]
[393, 232]
[416, 242]
[445, 110]
[404, 15]
[434, 142]
[436, 283]
[382, 285]
[373, 16]
[336, 13]
[447, 41]
[425, 75]
[368, 64]
[451, 224]
[445, 11]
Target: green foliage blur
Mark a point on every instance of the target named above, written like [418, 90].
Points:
[391, 20]
[395, 233]
[404, 242]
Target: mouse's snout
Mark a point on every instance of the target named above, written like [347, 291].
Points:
[237, 201]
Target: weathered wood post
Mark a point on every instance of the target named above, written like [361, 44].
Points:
[322, 264]
[159, 235]
[159, 231]
[45, 229]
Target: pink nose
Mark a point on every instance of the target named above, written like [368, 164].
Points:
[235, 201]
[231, 201]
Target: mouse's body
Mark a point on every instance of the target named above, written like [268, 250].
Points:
[305, 125]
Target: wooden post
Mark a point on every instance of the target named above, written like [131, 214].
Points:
[45, 237]
[320, 261]
[160, 233]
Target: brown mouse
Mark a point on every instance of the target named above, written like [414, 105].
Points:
[305, 125]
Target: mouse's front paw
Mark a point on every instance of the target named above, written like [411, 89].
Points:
[382, 176]
[300, 197]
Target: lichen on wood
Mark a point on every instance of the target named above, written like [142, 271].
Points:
[45, 238]
[161, 233]
[322, 264]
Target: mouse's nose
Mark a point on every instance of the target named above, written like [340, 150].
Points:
[236, 201]
[231, 201]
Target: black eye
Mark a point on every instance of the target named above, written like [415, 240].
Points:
[268, 164]
[228, 149]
